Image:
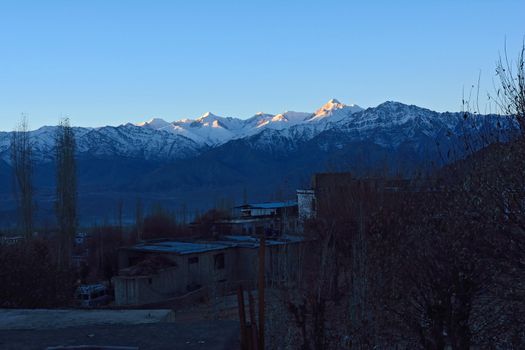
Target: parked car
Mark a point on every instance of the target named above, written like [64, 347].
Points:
[91, 295]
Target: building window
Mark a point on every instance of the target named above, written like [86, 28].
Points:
[193, 260]
[219, 261]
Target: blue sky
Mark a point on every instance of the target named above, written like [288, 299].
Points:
[110, 62]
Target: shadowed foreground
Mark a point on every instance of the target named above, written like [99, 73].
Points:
[28, 329]
[194, 335]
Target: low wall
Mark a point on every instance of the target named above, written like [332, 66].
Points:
[131, 290]
[197, 296]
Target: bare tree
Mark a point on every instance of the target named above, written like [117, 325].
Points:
[66, 190]
[139, 219]
[31, 279]
[120, 210]
[510, 96]
[461, 281]
[436, 262]
[21, 157]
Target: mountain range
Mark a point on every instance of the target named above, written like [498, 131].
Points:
[197, 163]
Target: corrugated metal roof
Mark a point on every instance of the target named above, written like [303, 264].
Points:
[179, 247]
[269, 205]
[231, 241]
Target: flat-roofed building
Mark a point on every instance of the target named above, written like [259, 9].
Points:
[152, 272]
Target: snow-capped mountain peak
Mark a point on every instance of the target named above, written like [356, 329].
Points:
[207, 116]
[279, 118]
[208, 119]
[388, 125]
[334, 111]
[333, 104]
[284, 120]
[210, 129]
[154, 123]
[258, 120]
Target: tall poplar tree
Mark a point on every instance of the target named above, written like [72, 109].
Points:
[22, 162]
[66, 190]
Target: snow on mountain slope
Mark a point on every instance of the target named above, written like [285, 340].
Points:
[388, 125]
[400, 119]
[290, 129]
[135, 142]
[207, 130]
[282, 121]
[127, 140]
[155, 123]
[257, 120]
[42, 140]
[212, 130]
[334, 111]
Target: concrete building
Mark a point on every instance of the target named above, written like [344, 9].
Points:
[306, 205]
[81, 238]
[268, 209]
[272, 219]
[331, 191]
[10, 240]
[188, 266]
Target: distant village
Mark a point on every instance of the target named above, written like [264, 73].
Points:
[155, 271]
[158, 270]
[344, 247]
[166, 271]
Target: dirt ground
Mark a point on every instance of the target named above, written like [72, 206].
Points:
[23, 319]
[213, 335]
[206, 326]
